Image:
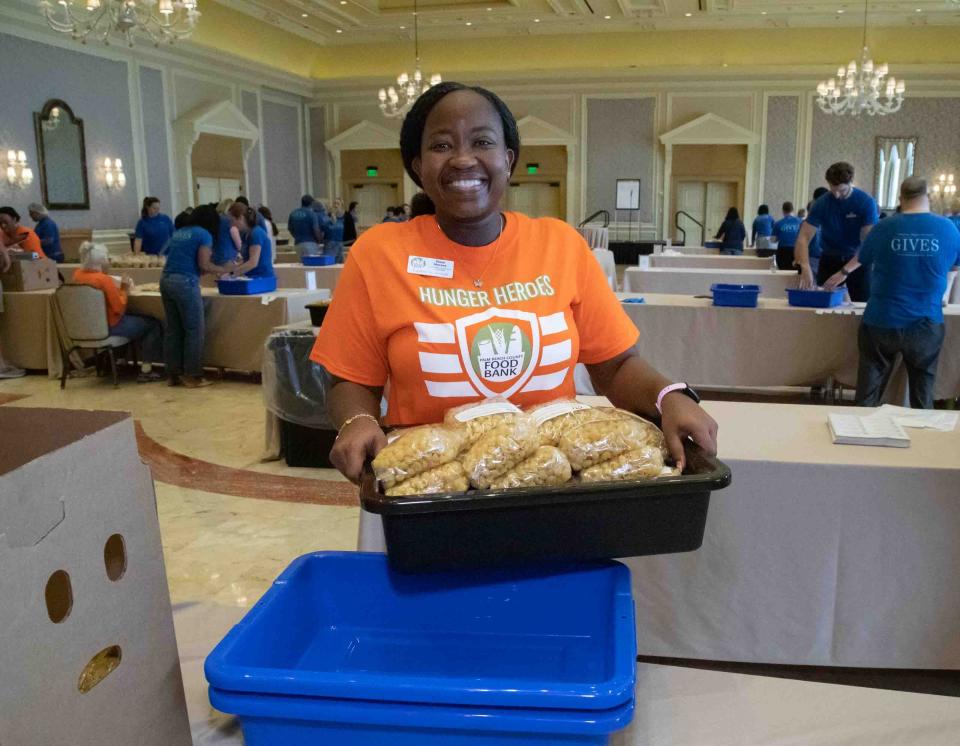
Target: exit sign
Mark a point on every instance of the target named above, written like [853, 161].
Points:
[372, 171]
[533, 168]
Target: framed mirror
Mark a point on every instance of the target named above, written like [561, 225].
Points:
[62, 157]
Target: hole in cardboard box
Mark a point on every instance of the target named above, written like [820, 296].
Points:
[59, 596]
[115, 557]
[100, 666]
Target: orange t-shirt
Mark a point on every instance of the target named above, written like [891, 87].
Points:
[29, 241]
[116, 297]
[407, 309]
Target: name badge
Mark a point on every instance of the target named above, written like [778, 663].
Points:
[422, 265]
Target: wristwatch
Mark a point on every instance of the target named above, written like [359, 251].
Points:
[844, 271]
[679, 387]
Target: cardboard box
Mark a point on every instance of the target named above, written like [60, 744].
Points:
[30, 274]
[87, 647]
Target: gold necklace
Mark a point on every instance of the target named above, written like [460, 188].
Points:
[478, 282]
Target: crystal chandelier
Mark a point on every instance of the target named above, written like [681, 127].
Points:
[162, 21]
[861, 88]
[396, 102]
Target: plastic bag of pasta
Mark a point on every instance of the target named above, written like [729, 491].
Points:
[479, 418]
[547, 467]
[415, 451]
[603, 438]
[446, 478]
[555, 418]
[645, 462]
[499, 450]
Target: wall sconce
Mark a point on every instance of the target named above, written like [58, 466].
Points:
[113, 173]
[945, 186]
[19, 174]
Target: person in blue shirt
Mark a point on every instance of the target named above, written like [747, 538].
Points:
[844, 216]
[785, 230]
[228, 241]
[189, 255]
[333, 231]
[261, 221]
[909, 254]
[257, 249]
[154, 229]
[304, 226]
[732, 233]
[47, 231]
[953, 217]
[814, 249]
[762, 231]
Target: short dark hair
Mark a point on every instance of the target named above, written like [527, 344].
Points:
[912, 187]
[243, 200]
[763, 210]
[819, 192]
[787, 207]
[11, 212]
[352, 205]
[733, 214]
[306, 200]
[206, 217]
[839, 173]
[421, 204]
[411, 133]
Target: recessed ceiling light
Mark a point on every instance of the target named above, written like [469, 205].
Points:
[339, 30]
[763, 12]
[304, 15]
[688, 14]
[403, 28]
[536, 20]
[469, 23]
[343, 2]
[489, 9]
[840, 11]
[606, 18]
[919, 10]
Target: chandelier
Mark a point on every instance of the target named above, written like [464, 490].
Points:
[395, 102]
[944, 188]
[861, 88]
[162, 21]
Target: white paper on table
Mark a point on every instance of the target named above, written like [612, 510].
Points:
[117, 280]
[921, 418]
[311, 280]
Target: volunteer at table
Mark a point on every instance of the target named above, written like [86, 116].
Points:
[147, 331]
[333, 231]
[814, 248]
[257, 254]
[304, 226]
[351, 219]
[732, 233]
[417, 297]
[189, 255]
[154, 229]
[844, 216]
[261, 221]
[910, 254]
[47, 231]
[6, 370]
[785, 230]
[15, 236]
[229, 242]
[762, 230]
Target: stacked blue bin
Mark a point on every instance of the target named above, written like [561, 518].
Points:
[343, 652]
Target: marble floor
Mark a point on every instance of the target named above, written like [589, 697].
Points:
[231, 522]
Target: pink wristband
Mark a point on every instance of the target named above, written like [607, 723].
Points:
[668, 390]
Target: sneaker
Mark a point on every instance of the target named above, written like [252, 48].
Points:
[195, 382]
[150, 377]
[11, 372]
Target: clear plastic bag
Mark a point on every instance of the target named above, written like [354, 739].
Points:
[603, 438]
[545, 468]
[478, 418]
[555, 418]
[294, 387]
[641, 463]
[416, 451]
[446, 478]
[499, 450]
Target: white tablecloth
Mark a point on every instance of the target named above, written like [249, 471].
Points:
[288, 275]
[704, 251]
[686, 261]
[605, 257]
[817, 554]
[596, 236]
[698, 281]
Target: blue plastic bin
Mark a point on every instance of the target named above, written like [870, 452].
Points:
[316, 260]
[343, 652]
[815, 298]
[735, 296]
[251, 286]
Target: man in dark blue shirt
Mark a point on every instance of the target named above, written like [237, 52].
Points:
[304, 226]
[47, 231]
[785, 230]
[844, 216]
[910, 255]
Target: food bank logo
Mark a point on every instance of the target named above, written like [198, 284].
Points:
[500, 352]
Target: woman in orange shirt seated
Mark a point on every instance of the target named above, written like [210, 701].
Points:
[146, 330]
[16, 236]
[419, 302]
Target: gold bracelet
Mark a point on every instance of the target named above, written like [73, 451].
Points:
[353, 419]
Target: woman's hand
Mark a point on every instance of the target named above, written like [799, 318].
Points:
[683, 418]
[359, 441]
[807, 281]
[834, 281]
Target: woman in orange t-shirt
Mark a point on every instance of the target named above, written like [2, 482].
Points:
[472, 302]
[16, 236]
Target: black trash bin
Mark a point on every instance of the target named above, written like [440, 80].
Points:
[295, 390]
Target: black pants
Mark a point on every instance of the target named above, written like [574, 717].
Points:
[919, 344]
[858, 283]
[785, 257]
[766, 253]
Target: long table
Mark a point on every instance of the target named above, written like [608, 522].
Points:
[775, 344]
[288, 275]
[236, 326]
[685, 281]
[686, 261]
[817, 554]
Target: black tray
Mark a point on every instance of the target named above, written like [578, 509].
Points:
[532, 525]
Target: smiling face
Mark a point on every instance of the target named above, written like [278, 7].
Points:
[8, 225]
[464, 164]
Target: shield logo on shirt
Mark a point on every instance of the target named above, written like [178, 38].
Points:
[499, 349]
